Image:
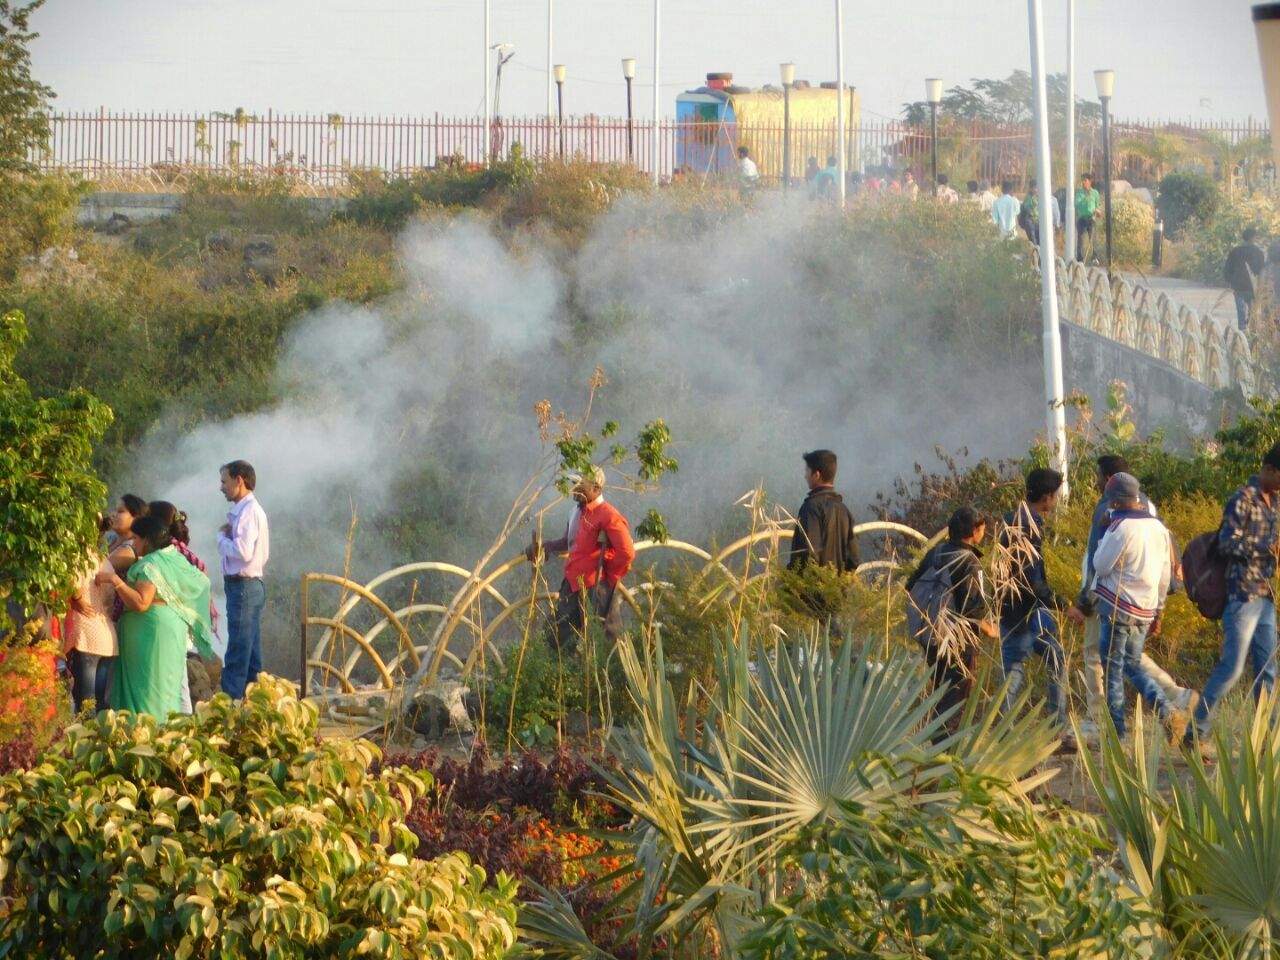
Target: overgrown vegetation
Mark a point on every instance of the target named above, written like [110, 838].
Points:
[231, 833]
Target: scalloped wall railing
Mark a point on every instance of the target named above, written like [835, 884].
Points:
[1215, 355]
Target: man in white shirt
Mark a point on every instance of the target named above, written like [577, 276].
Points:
[244, 544]
[944, 192]
[986, 199]
[747, 168]
[1005, 211]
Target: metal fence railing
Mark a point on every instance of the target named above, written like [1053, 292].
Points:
[323, 150]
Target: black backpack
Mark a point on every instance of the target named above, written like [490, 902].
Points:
[1204, 574]
[929, 600]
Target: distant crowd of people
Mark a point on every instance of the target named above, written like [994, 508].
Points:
[141, 623]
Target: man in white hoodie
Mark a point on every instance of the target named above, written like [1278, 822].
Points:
[1131, 579]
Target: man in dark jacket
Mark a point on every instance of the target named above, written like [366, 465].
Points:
[824, 529]
[952, 652]
[1243, 267]
[1027, 602]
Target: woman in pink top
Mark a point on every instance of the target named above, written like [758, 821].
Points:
[90, 643]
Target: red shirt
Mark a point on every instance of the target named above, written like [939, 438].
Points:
[583, 562]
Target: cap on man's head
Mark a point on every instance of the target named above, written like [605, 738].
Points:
[594, 476]
[1122, 488]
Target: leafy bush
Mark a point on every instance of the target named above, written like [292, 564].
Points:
[1184, 196]
[39, 213]
[389, 202]
[230, 833]
[1211, 240]
[34, 703]
[49, 493]
[1131, 226]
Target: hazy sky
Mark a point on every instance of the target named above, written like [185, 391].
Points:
[1174, 58]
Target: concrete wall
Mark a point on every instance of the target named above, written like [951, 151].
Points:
[98, 208]
[1162, 396]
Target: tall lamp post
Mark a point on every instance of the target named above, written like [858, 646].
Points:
[1106, 83]
[842, 147]
[933, 93]
[560, 72]
[629, 74]
[788, 78]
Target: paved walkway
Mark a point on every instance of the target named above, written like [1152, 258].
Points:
[1217, 302]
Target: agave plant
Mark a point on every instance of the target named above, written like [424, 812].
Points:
[787, 740]
[1205, 850]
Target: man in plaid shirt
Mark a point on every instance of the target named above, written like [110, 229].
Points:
[1248, 538]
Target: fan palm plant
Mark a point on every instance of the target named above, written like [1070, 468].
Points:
[786, 741]
[1205, 851]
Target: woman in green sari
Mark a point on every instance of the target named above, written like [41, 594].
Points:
[165, 600]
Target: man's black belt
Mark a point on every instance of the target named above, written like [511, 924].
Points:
[237, 578]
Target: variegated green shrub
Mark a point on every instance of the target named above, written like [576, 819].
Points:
[230, 833]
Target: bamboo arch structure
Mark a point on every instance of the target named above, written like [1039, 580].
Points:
[369, 643]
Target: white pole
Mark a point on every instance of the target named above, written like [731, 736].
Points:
[1048, 283]
[655, 150]
[841, 146]
[1069, 201]
[488, 109]
[551, 84]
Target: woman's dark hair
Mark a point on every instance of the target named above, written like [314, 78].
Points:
[963, 522]
[173, 519]
[136, 506]
[153, 531]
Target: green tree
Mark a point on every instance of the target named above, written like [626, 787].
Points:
[24, 118]
[1004, 101]
[49, 493]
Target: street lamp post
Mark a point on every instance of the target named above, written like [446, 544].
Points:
[560, 72]
[933, 93]
[629, 73]
[1106, 83]
[788, 78]
[842, 147]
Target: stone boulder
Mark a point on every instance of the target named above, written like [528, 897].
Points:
[441, 707]
[118, 224]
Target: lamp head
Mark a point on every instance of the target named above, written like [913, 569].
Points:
[788, 74]
[933, 90]
[629, 68]
[560, 70]
[1106, 83]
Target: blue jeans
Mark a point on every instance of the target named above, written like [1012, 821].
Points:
[1121, 649]
[1248, 630]
[1037, 634]
[1244, 301]
[90, 677]
[245, 600]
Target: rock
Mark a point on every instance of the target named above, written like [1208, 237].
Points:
[260, 260]
[118, 224]
[202, 688]
[439, 708]
[259, 247]
[1143, 194]
[1120, 187]
[219, 240]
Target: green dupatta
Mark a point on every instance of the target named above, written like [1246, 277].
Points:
[182, 587]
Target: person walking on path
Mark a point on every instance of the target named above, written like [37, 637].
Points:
[1005, 211]
[1244, 266]
[244, 544]
[1027, 602]
[1088, 210]
[1108, 466]
[1247, 538]
[951, 649]
[1132, 572]
[601, 552]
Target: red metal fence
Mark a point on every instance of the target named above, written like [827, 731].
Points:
[324, 150]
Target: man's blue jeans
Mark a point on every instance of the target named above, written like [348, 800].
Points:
[1244, 303]
[1121, 649]
[245, 600]
[1248, 630]
[1037, 634]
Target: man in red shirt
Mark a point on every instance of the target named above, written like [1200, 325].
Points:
[598, 539]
